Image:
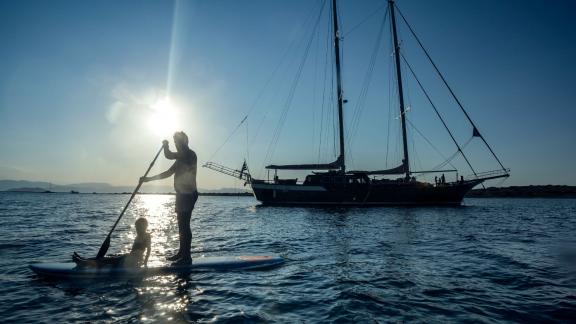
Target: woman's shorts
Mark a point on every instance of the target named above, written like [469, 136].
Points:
[185, 201]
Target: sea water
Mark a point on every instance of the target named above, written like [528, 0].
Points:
[493, 260]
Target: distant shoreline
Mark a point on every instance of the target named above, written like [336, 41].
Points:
[125, 193]
[547, 191]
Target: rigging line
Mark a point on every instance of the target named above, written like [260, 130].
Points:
[332, 101]
[258, 128]
[361, 102]
[295, 82]
[288, 102]
[449, 88]
[395, 97]
[429, 142]
[437, 112]
[261, 92]
[390, 89]
[362, 95]
[333, 105]
[365, 19]
[324, 87]
[412, 147]
[408, 109]
[317, 46]
[418, 162]
[441, 165]
[228, 138]
[247, 146]
[448, 161]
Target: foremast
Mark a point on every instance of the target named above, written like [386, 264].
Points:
[339, 94]
[406, 161]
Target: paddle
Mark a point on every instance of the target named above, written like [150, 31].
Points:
[106, 243]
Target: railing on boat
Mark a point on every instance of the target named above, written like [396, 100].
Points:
[239, 174]
[494, 174]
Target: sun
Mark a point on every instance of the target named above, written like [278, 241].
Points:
[163, 119]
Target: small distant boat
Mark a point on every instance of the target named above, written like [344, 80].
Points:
[74, 192]
[332, 184]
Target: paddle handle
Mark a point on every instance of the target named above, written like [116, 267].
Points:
[106, 243]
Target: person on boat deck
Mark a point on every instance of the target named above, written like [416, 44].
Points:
[135, 258]
[184, 171]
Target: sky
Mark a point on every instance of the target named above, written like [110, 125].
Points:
[88, 89]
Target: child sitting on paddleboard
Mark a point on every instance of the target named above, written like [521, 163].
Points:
[135, 258]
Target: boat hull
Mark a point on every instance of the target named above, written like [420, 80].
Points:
[386, 194]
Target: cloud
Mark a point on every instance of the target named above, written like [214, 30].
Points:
[131, 105]
[13, 173]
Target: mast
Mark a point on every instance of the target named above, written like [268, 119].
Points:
[338, 85]
[406, 162]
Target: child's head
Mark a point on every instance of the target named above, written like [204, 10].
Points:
[141, 225]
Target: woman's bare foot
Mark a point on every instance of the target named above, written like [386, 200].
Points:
[175, 257]
[184, 261]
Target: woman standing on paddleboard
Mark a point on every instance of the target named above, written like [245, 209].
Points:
[184, 171]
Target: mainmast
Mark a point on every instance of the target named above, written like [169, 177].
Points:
[339, 85]
[405, 162]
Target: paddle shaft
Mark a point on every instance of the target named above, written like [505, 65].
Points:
[106, 244]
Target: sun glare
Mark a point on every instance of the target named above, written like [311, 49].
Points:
[163, 120]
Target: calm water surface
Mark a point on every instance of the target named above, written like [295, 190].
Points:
[495, 260]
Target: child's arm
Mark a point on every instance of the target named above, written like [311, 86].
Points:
[148, 249]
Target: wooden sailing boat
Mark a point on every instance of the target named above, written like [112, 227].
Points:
[335, 185]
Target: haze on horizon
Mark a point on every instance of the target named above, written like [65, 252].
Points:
[88, 90]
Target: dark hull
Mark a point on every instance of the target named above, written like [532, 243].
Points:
[380, 194]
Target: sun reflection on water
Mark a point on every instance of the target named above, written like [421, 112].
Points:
[166, 297]
[162, 225]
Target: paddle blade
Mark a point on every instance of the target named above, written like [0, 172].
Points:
[104, 248]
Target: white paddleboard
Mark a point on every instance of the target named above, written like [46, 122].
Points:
[220, 263]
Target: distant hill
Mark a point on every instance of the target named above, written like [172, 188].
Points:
[89, 187]
[27, 190]
[549, 191]
[13, 184]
